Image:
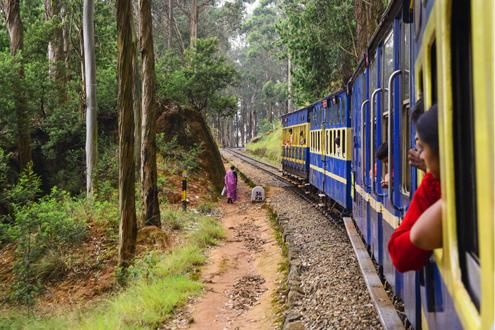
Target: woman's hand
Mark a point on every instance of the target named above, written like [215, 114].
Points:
[415, 160]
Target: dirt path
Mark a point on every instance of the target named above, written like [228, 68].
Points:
[241, 274]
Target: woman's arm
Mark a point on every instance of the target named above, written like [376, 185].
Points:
[426, 233]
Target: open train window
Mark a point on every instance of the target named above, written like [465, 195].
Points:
[464, 149]
[344, 142]
[405, 119]
[406, 133]
[331, 141]
[434, 72]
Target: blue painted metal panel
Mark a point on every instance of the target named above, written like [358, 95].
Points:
[300, 116]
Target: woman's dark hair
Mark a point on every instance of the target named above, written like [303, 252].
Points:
[418, 110]
[382, 152]
[427, 128]
[232, 168]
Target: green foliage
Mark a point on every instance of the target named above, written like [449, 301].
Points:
[174, 219]
[206, 208]
[319, 35]
[177, 157]
[41, 230]
[268, 146]
[4, 170]
[200, 80]
[158, 283]
[107, 171]
[209, 232]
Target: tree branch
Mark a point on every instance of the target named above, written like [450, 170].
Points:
[346, 51]
[353, 40]
[179, 36]
[183, 9]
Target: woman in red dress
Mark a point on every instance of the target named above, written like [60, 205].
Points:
[420, 232]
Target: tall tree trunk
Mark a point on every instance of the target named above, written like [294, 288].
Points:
[12, 11]
[242, 121]
[290, 105]
[253, 116]
[56, 58]
[136, 92]
[66, 42]
[194, 23]
[151, 207]
[237, 129]
[90, 79]
[127, 176]
[170, 23]
[367, 14]
[82, 94]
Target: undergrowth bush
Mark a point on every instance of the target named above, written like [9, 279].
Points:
[268, 146]
[178, 157]
[175, 219]
[41, 229]
[206, 208]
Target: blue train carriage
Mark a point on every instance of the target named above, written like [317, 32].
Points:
[380, 98]
[295, 144]
[331, 148]
[454, 68]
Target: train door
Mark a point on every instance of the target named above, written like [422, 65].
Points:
[375, 200]
[402, 139]
[359, 103]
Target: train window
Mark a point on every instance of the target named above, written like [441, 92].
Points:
[319, 141]
[327, 140]
[331, 143]
[363, 141]
[406, 60]
[344, 142]
[464, 149]
[372, 77]
[388, 67]
[406, 134]
[434, 73]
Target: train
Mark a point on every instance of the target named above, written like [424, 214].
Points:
[442, 51]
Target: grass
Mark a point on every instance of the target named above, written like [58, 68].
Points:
[159, 284]
[268, 147]
[278, 299]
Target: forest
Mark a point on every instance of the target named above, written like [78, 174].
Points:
[106, 104]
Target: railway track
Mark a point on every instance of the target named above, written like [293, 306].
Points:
[382, 301]
[332, 213]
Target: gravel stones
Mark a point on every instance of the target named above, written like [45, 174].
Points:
[247, 233]
[326, 288]
[245, 292]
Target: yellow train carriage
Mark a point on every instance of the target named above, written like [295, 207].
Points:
[455, 69]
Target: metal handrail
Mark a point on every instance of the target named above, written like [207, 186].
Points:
[363, 140]
[372, 113]
[389, 137]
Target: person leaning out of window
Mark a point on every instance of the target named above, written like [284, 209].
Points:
[420, 232]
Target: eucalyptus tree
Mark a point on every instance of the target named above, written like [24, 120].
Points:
[151, 208]
[56, 47]
[321, 41]
[90, 84]
[12, 13]
[127, 203]
[262, 61]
